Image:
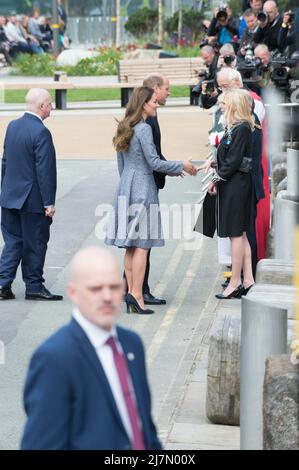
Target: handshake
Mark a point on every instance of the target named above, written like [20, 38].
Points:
[189, 168]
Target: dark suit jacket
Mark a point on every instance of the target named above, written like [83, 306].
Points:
[68, 400]
[269, 34]
[28, 178]
[159, 177]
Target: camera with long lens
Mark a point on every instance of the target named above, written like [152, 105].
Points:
[222, 14]
[262, 17]
[196, 91]
[210, 86]
[228, 59]
[292, 16]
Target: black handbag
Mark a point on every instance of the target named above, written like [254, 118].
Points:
[245, 166]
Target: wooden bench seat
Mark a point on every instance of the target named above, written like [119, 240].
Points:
[181, 72]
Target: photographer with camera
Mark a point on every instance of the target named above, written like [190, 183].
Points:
[224, 26]
[263, 55]
[256, 6]
[286, 36]
[210, 60]
[247, 40]
[227, 57]
[270, 22]
[209, 92]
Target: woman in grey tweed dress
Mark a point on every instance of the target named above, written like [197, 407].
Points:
[135, 222]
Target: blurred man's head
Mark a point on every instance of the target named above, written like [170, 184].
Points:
[271, 10]
[256, 5]
[228, 78]
[250, 19]
[39, 101]
[96, 286]
[13, 19]
[160, 85]
[2, 21]
[262, 52]
[207, 54]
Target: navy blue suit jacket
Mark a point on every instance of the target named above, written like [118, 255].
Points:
[28, 179]
[159, 177]
[68, 400]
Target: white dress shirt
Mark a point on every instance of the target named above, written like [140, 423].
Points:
[34, 114]
[98, 337]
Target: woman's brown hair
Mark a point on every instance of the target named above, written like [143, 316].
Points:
[134, 111]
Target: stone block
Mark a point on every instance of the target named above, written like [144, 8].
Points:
[223, 375]
[281, 404]
[275, 271]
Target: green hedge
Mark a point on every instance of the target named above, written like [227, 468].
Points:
[44, 65]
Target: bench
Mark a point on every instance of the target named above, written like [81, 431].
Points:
[180, 71]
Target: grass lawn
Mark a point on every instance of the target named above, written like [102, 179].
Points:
[18, 96]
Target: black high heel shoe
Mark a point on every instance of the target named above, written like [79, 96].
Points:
[245, 291]
[236, 294]
[133, 306]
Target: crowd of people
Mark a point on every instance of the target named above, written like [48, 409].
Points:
[258, 43]
[30, 34]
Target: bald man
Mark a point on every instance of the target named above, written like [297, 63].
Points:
[27, 199]
[86, 387]
[268, 30]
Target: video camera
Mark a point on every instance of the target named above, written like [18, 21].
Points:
[281, 71]
[249, 68]
[262, 17]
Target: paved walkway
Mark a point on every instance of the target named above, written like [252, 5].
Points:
[176, 336]
[90, 132]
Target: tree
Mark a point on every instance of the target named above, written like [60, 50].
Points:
[160, 13]
[118, 19]
[191, 19]
[143, 21]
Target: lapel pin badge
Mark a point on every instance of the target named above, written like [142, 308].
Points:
[131, 356]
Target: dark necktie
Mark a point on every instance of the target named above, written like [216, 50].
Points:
[123, 374]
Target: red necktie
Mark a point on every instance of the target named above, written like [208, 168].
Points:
[123, 374]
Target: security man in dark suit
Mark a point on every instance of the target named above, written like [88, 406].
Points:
[87, 387]
[27, 199]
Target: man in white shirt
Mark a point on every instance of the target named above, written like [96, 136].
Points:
[87, 386]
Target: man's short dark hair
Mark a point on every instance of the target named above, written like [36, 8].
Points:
[249, 12]
[153, 80]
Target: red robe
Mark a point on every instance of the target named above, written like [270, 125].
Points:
[262, 223]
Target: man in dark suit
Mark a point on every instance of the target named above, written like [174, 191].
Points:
[87, 387]
[160, 85]
[28, 190]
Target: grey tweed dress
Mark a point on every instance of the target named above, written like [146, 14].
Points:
[135, 220]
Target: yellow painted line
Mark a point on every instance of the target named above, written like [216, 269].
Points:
[175, 307]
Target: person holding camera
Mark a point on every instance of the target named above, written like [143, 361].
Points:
[262, 53]
[270, 22]
[227, 57]
[256, 6]
[286, 36]
[224, 26]
[210, 60]
[226, 78]
[247, 40]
